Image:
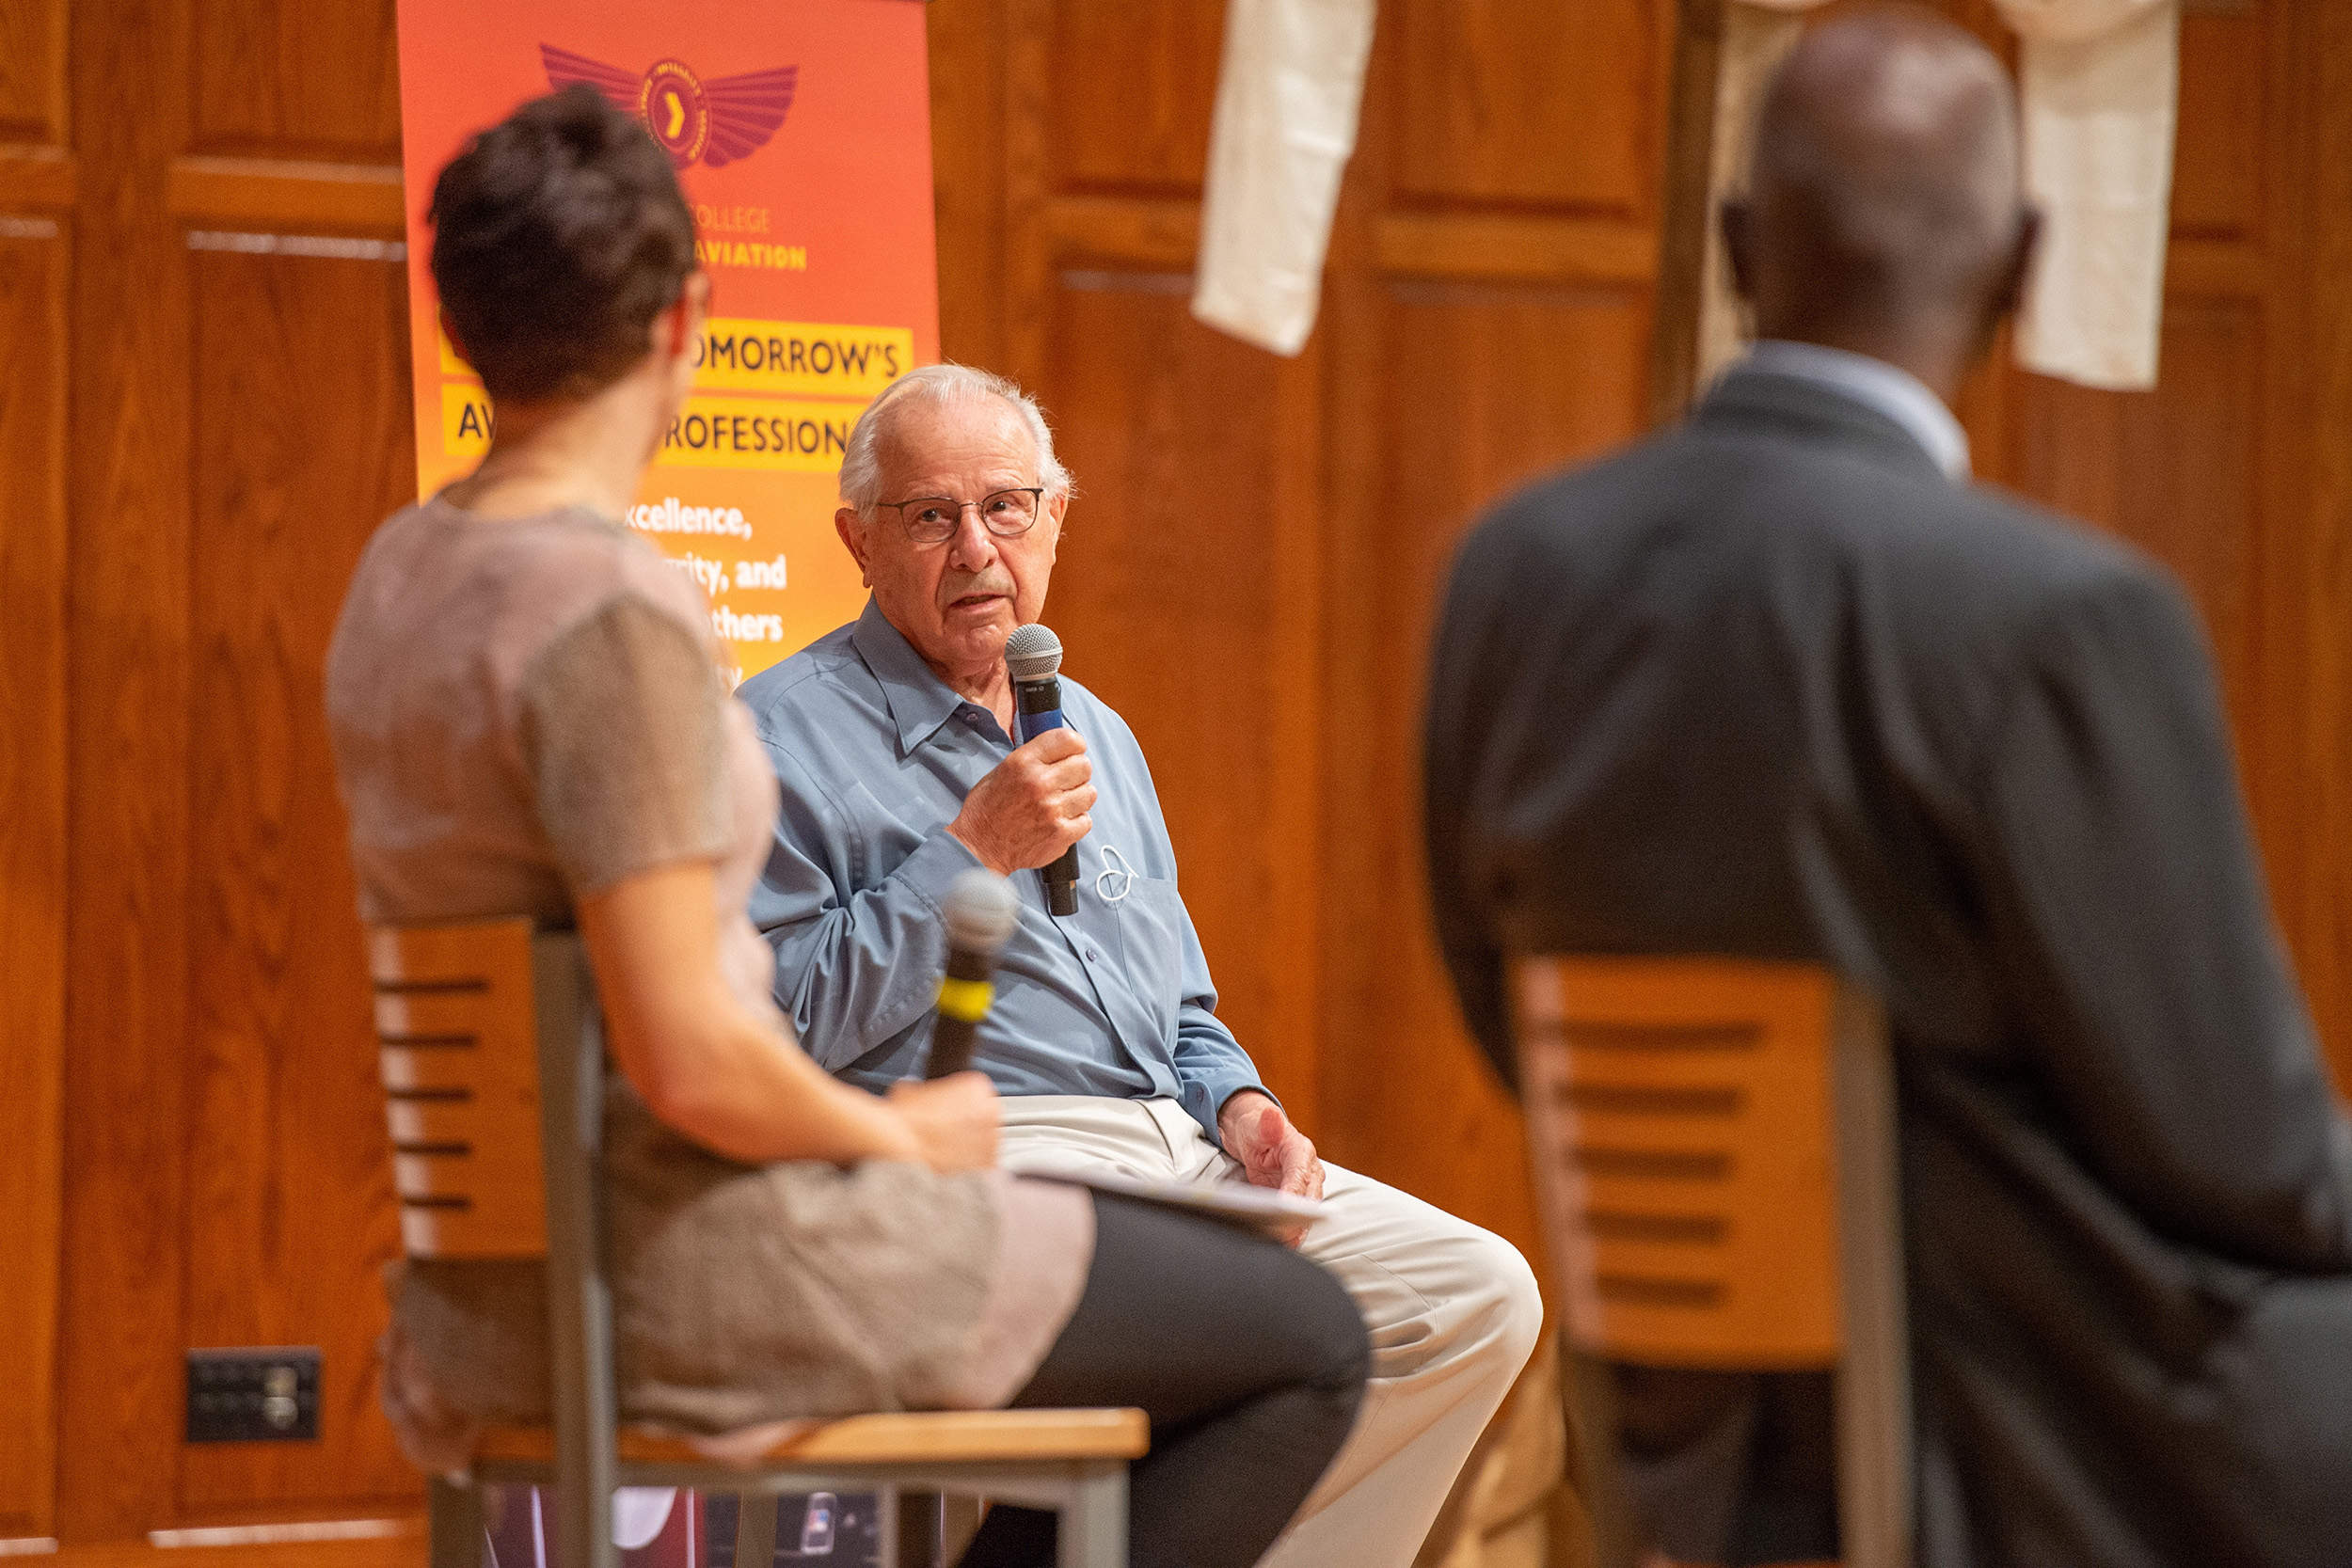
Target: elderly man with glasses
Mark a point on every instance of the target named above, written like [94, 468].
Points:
[893, 737]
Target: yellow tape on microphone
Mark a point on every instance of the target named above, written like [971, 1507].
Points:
[965, 1000]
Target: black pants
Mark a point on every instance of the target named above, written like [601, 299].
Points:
[1249, 1360]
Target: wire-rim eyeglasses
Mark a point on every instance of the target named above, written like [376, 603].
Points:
[1006, 513]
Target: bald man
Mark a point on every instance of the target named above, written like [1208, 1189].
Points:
[1782, 683]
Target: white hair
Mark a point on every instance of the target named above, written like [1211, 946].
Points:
[943, 385]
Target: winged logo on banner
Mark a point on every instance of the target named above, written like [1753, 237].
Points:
[717, 121]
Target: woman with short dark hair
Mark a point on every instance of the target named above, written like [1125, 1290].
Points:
[557, 238]
[527, 721]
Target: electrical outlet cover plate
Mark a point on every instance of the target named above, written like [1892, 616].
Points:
[258, 1394]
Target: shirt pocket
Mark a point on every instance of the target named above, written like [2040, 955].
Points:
[880, 838]
[1151, 927]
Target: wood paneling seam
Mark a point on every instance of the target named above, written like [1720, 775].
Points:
[286, 194]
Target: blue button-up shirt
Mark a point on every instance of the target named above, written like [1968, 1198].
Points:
[876, 754]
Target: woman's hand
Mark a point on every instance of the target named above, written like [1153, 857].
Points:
[954, 1119]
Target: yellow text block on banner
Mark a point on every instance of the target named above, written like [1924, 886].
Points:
[787, 436]
[775, 434]
[741, 355]
[464, 418]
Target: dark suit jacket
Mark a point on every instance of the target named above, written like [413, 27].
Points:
[1771, 685]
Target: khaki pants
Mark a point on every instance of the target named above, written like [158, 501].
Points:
[1452, 1311]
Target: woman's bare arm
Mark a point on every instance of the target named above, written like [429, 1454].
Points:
[715, 1072]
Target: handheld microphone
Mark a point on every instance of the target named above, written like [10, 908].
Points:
[1033, 656]
[981, 911]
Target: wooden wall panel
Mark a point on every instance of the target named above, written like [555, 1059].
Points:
[1131, 94]
[2304, 788]
[296, 79]
[225, 1179]
[32, 71]
[1173, 592]
[2174, 472]
[120, 1392]
[1485, 387]
[33, 273]
[967, 75]
[1528, 104]
[1196, 522]
[2218, 166]
[1492, 386]
[298, 455]
[1486, 317]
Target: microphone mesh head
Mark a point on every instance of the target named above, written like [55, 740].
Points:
[1032, 653]
[981, 910]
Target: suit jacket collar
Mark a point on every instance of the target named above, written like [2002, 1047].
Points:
[1807, 411]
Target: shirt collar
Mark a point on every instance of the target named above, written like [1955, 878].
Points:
[919, 701]
[1877, 386]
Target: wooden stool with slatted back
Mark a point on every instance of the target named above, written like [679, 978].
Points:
[1714, 1148]
[492, 1060]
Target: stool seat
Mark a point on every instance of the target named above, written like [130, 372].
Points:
[900, 1438]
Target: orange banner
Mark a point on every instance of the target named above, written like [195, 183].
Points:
[801, 134]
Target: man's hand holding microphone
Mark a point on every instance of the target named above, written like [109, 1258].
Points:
[1031, 807]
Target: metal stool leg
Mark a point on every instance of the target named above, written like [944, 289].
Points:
[1591, 1391]
[959, 1522]
[1093, 1528]
[914, 1534]
[455, 1512]
[755, 1530]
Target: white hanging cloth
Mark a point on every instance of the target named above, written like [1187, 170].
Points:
[2099, 81]
[2098, 84]
[1288, 92]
